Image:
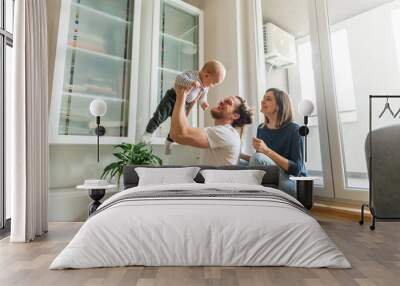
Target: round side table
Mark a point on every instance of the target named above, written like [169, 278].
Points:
[304, 190]
[96, 193]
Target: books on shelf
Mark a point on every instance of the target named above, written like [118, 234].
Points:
[117, 12]
[90, 89]
[100, 89]
[86, 45]
[78, 34]
[102, 55]
[177, 39]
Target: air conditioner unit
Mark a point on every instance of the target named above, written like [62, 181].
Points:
[279, 46]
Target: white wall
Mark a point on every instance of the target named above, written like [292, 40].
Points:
[230, 39]
[277, 78]
[220, 42]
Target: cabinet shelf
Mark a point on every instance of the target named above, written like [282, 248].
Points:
[102, 14]
[169, 36]
[97, 54]
[93, 96]
[169, 70]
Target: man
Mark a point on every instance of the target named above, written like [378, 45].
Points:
[221, 142]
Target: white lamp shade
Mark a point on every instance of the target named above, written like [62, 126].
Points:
[98, 107]
[306, 107]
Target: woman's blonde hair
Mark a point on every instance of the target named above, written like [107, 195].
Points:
[285, 109]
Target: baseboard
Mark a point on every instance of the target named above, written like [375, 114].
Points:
[346, 203]
[350, 211]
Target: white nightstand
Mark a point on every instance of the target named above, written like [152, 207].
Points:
[96, 193]
[304, 190]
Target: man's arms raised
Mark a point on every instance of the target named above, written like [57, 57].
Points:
[181, 132]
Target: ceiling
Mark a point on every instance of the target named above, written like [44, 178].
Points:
[292, 15]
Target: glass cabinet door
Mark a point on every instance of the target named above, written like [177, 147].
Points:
[97, 66]
[178, 50]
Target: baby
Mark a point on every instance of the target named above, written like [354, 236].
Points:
[211, 74]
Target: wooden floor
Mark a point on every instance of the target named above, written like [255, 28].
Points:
[375, 257]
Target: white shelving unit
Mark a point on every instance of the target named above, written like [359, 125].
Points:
[97, 57]
[177, 47]
[100, 13]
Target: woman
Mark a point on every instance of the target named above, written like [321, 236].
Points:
[278, 140]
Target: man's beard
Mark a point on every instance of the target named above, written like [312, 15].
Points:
[216, 114]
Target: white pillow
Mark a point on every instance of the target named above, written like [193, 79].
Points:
[166, 176]
[248, 177]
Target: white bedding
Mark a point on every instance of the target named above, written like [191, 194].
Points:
[200, 231]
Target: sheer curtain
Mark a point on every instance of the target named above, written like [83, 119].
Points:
[27, 123]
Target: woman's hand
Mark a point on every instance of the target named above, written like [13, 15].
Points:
[260, 146]
[245, 157]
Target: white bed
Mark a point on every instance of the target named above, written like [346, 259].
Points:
[206, 230]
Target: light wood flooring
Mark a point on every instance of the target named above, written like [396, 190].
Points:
[375, 257]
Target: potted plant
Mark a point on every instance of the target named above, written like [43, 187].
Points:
[129, 154]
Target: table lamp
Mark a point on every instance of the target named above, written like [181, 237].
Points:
[305, 108]
[98, 108]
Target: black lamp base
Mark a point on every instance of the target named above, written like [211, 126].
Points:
[96, 195]
[303, 130]
[304, 190]
[100, 131]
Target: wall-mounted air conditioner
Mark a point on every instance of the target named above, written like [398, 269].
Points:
[279, 46]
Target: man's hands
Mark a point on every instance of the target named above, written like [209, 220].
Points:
[187, 89]
[182, 91]
[181, 132]
[196, 84]
[260, 146]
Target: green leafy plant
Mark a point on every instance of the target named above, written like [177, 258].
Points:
[129, 154]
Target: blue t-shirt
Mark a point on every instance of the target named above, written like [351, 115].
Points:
[287, 142]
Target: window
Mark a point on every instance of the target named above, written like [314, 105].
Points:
[357, 53]
[396, 33]
[6, 44]
[306, 71]
[364, 44]
[343, 74]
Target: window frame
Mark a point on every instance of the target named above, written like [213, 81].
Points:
[327, 80]
[6, 39]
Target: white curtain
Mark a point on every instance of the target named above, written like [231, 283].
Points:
[27, 123]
